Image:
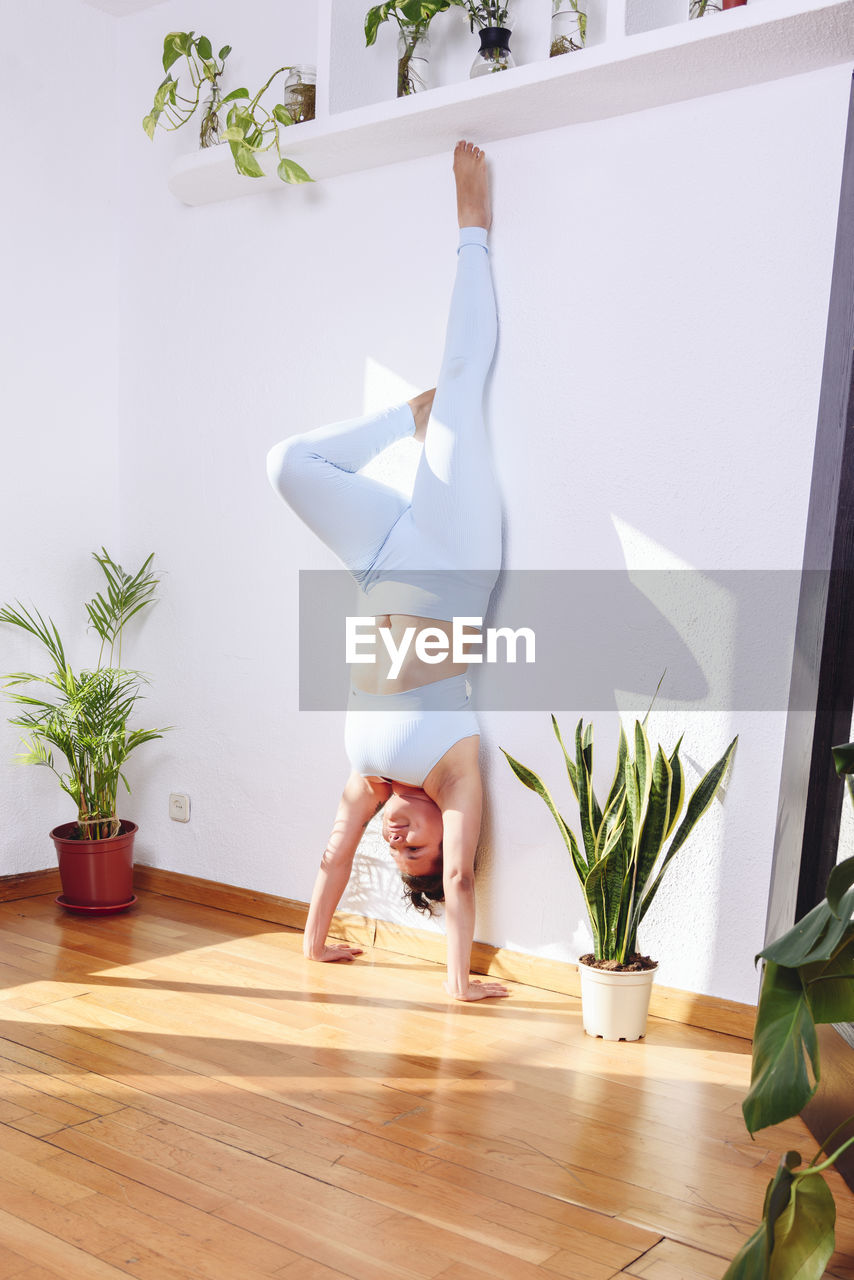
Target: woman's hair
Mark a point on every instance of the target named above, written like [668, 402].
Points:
[423, 890]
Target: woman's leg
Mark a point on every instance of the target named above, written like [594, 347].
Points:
[315, 473]
[455, 502]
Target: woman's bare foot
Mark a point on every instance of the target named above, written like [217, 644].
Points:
[421, 406]
[472, 182]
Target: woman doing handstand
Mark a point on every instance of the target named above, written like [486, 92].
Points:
[413, 740]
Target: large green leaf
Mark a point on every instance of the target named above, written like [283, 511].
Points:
[840, 890]
[829, 984]
[752, 1260]
[803, 1232]
[784, 1048]
[810, 939]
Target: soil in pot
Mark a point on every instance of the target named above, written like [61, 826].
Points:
[635, 964]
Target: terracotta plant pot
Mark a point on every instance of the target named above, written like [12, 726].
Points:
[96, 875]
[615, 1004]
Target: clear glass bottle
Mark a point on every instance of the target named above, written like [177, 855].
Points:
[494, 52]
[413, 58]
[301, 92]
[569, 27]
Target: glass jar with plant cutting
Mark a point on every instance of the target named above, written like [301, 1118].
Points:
[413, 18]
[569, 27]
[490, 17]
[173, 109]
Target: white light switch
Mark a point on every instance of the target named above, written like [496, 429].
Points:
[179, 807]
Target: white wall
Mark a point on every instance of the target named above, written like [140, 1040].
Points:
[58, 358]
[662, 281]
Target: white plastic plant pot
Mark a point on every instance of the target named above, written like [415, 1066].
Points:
[615, 1005]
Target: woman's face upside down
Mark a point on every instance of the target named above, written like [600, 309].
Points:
[412, 826]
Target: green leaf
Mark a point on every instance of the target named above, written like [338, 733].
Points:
[784, 1048]
[803, 1232]
[840, 889]
[149, 124]
[618, 783]
[172, 49]
[829, 984]
[290, 171]
[642, 760]
[583, 754]
[234, 95]
[282, 114]
[246, 162]
[535, 783]
[203, 45]
[570, 763]
[677, 790]
[232, 134]
[224, 52]
[843, 758]
[813, 938]
[655, 820]
[751, 1262]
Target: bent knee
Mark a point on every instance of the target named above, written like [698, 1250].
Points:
[286, 463]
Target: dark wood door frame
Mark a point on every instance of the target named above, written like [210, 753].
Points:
[821, 692]
[822, 685]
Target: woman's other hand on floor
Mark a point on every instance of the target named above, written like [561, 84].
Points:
[479, 991]
[336, 953]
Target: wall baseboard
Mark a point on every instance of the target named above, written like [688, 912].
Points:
[29, 883]
[709, 1012]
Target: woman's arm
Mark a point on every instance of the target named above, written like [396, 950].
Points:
[459, 795]
[361, 799]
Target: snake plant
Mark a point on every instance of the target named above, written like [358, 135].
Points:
[623, 841]
[84, 715]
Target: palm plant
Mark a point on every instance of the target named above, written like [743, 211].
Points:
[84, 715]
[622, 841]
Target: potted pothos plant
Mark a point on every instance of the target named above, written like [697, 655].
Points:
[250, 127]
[171, 108]
[808, 979]
[626, 847]
[413, 18]
[77, 725]
[490, 17]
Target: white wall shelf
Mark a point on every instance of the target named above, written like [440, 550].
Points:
[762, 40]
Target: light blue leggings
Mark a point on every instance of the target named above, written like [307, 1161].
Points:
[449, 534]
[453, 521]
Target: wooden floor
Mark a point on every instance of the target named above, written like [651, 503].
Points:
[182, 1095]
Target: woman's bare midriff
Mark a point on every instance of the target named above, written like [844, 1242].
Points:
[373, 677]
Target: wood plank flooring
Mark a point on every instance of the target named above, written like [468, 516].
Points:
[183, 1095]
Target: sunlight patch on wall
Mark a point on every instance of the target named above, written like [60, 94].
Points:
[702, 612]
[383, 388]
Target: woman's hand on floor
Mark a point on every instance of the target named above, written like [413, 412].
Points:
[479, 991]
[336, 953]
